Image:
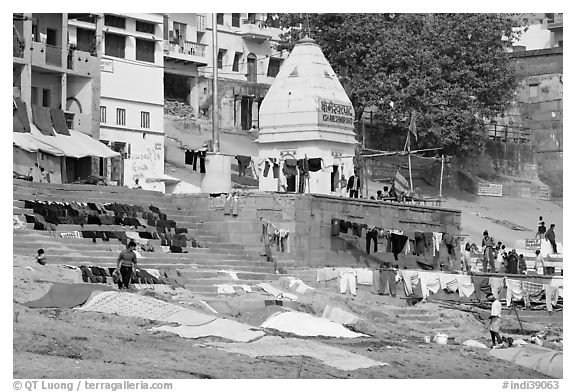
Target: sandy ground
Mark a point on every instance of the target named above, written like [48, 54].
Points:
[52, 343]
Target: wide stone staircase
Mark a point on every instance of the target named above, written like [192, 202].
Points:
[201, 267]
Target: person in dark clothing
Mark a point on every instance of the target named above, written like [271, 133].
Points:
[354, 185]
[41, 257]
[488, 248]
[512, 262]
[551, 236]
[126, 264]
[541, 230]
[392, 192]
[521, 264]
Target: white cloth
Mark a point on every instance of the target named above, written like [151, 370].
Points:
[364, 276]
[513, 290]
[246, 288]
[347, 280]
[410, 279]
[436, 240]
[430, 281]
[496, 309]
[465, 285]
[232, 274]
[229, 329]
[448, 282]
[165, 249]
[225, 289]
[338, 315]
[305, 324]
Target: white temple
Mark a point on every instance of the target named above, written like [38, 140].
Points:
[306, 112]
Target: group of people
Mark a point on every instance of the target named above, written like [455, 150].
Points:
[547, 234]
[352, 188]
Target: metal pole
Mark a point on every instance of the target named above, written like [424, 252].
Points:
[215, 111]
[441, 176]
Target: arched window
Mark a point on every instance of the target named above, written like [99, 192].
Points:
[252, 68]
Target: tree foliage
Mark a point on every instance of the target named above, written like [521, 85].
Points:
[452, 69]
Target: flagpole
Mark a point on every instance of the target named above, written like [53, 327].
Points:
[409, 152]
[441, 176]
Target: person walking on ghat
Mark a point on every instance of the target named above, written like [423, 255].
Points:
[488, 248]
[495, 322]
[551, 237]
[127, 265]
[354, 185]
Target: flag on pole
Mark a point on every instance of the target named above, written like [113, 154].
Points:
[412, 126]
[400, 183]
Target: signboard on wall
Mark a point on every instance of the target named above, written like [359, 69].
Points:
[488, 189]
[334, 114]
[106, 65]
[544, 193]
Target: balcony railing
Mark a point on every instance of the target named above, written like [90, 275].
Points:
[554, 21]
[505, 133]
[53, 55]
[18, 47]
[255, 29]
[187, 47]
[201, 28]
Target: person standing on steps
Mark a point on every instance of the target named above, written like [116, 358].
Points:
[541, 228]
[354, 185]
[127, 265]
[488, 248]
[495, 322]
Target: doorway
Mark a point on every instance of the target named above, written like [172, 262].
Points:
[246, 113]
[252, 68]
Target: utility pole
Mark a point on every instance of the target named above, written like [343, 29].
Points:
[215, 109]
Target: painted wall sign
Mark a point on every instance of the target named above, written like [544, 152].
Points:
[106, 65]
[335, 114]
[487, 189]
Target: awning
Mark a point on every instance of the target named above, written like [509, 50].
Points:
[29, 143]
[77, 145]
[163, 178]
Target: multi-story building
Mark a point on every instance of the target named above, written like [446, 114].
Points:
[247, 63]
[56, 66]
[132, 97]
[539, 100]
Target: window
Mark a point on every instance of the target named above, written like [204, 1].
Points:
[252, 18]
[103, 114]
[34, 98]
[85, 40]
[221, 54]
[235, 20]
[35, 33]
[51, 37]
[114, 45]
[145, 27]
[179, 31]
[274, 67]
[252, 68]
[46, 97]
[114, 21]
[145, 119]
[121, 116]
[533, 90]
[145, 50]
[220, 19]
[236, 65]
[561, 43]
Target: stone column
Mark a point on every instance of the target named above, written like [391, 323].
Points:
[26, 73]
[96, 79]
[64, 56]
[193, 96]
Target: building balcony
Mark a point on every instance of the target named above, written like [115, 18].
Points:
[46, 55]
[186, 51]
[554, 22]
[82, 63]
[255, 30]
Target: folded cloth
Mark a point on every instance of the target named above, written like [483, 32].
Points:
[532, 288]
[496, 284]
[465, 285]
[301, 287]
[225, 289]
[326, 274]
[165, 249]
[364, 276]
[513, 290]
[448, 282]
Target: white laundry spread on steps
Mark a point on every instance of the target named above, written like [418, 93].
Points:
[304, 324]
[275, 346]
[133, 305]
[229, 329]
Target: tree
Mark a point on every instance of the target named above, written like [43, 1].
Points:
[452, 69]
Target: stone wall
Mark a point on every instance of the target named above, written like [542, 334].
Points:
[308, 219]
